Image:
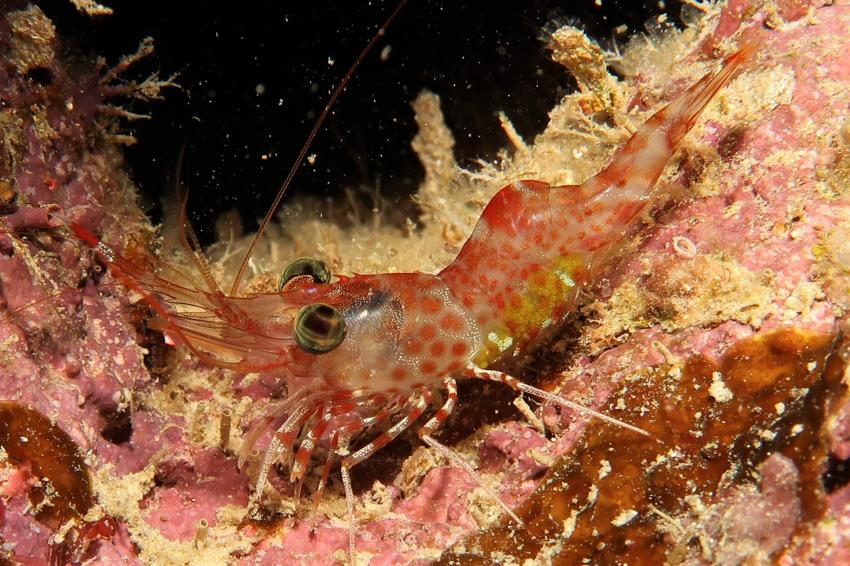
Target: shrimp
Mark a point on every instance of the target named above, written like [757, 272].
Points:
[371, 351]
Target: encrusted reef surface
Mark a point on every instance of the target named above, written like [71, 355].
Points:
[721, 331]
[71, 360]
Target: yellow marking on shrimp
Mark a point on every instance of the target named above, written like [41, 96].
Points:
[530, 309]
[496, 343]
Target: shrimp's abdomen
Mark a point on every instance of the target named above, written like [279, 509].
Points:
[521, 269]
[536, 245]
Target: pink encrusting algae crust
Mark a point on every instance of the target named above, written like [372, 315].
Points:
[744, 260]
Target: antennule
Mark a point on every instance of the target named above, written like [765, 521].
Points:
[237, 281]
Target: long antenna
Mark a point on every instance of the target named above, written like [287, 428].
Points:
[306, 147]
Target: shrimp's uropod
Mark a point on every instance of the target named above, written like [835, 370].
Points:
[372, 350]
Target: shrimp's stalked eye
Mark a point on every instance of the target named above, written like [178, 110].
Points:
[319, 328]
[302, 266]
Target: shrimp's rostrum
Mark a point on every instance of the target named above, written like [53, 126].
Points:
[371, 350]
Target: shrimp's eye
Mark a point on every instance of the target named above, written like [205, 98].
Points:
[319, 328]
[311, 266]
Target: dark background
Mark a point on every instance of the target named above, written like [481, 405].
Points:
[480, 58]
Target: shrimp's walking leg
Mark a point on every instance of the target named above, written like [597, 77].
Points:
[434, 423]
[419, 402]
[326, 470]
[281, 443]
[305, 452]
[518, 385]
[297, 397]
[308, 445]
[349, 507]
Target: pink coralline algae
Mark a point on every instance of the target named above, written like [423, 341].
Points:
[71, 353]
[719, 332]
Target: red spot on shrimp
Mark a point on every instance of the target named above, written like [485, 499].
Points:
[414, 347]
[438, 349]
[460, 349]
[428, 332]
[428, 367]
[399, 373]
[452, 323]
[499, 300]
[538, 279]
[431, 305]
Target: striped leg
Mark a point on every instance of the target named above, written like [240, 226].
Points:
[434, 423]
[419, 402]
[349, 507]
[308, 444]
[443, 413]
[281, 444]
[305, 452]
[518, 385]
[326, 470]
[341, 404]
[277, 411]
